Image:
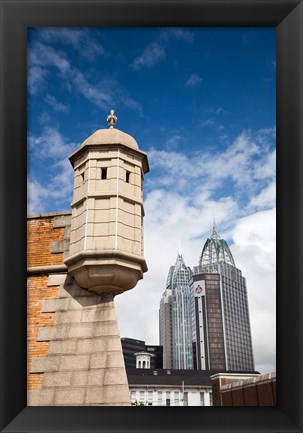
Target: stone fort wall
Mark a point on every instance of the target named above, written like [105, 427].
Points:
[45, 248]
[74, 353]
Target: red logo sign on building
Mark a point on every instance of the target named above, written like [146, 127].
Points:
[198, 289]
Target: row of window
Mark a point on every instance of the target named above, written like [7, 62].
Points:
[104, 173]
[167, 398]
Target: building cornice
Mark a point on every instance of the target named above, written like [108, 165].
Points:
[49, 214]
[48, 269]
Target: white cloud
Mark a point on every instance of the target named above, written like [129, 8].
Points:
[254, 250]
[80, 40]
[151, 55]
[193, 81]
[238, 165]
[126, 100]
[51, 150]
[155, 51]
[42, 58]
[58, 185]
[176, 33]
[185, 210]
[36, 78]
[56, 105]
[36, 194]
[63, 181]
[44, 55]
[266, 198]
[162, 230]
[50, 144]
[210, 121]
[101, 98]
[169, 217]
[211, 117]
[266, 168]
[214, 110]
[173, 141]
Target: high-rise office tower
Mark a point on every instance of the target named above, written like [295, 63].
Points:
[220, 315]
[175, 318]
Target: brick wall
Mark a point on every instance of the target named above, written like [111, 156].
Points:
[40, 236]
[255, 391]
[43, 231]
[37, 291]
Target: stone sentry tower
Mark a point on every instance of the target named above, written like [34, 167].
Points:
[106, 245]
[85, 365]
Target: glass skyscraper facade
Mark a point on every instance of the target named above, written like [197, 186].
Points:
[204, 314]
[220, 314]
[175, 318]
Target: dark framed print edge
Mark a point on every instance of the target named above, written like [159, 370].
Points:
[287, 17]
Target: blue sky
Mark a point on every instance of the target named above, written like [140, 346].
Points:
[201, 103]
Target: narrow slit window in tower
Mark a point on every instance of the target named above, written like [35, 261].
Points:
[103, 173]
[127, 176]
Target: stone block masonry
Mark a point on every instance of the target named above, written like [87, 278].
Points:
[37, 292]
[84, 363]
[77, 262]
[74, 349]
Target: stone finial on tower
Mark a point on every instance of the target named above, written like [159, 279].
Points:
[111, 119]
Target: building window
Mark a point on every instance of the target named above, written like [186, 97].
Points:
[142, 396]
[168, 402]
[127, 176]
[159, 398]
[150, 398]
[133, 399]
[103, 173]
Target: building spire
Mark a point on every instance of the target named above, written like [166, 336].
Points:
[111, 119]
[214, 234]
[215, 251]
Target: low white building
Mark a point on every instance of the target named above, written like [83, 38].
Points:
[169, 387]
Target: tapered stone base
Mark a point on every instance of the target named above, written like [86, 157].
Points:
[85, 364]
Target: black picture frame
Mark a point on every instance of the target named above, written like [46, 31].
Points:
[287, 17]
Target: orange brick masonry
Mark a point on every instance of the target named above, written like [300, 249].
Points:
[40, 235]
